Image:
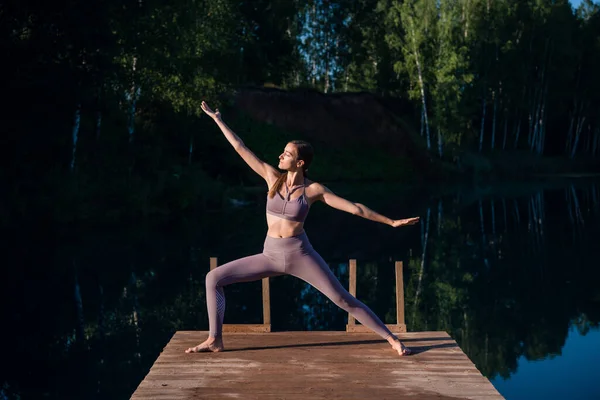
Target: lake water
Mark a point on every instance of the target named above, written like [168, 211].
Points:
[510, 272]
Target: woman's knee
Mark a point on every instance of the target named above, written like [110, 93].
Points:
[345, 301]
[212, 279]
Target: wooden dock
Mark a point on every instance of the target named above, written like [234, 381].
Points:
[355, 364]
[315, 365]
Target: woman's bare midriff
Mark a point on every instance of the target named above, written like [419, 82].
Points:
[283, 228]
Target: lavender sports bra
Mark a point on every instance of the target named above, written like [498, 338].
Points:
[293, 210]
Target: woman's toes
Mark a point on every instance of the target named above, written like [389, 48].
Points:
[195, 349]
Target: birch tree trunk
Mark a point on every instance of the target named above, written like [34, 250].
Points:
[580, 124]
[493, 218]
[517, 130]
[135, 316]
[505, 133]
[542, 124]
[421, 85]
[574, 113]
[98, 113]
[326, 88]
[80, 332]
[101, 311]
[132, 98]
[439, 227]
[576, 205]
[98, 123]
[505, 216]
[314, 34]
[422, 121]
[570, 132]
[495, 99]
[531, 118]
[532, 225]
[422, 269]
[483, 239]
[482, 121]
[75, 134]
[191, 149]
[536, 119]
[588, 139]
[465, 18]
[542, 89]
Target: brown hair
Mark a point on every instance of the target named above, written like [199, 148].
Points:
[305, 153]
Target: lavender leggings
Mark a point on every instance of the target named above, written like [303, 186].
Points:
[292, 256]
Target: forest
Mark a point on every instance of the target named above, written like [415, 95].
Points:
[104, 122]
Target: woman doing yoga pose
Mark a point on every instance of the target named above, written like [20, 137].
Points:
[287, 250]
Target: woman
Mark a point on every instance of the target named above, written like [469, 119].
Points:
[287, 249]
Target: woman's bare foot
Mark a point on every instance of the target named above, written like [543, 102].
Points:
[211, 344]
[399, 346]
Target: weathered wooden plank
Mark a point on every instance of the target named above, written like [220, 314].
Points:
[357, 328]
[314, 365]
[266, 297]
[400, 296]
[241, 328]
[351, 289]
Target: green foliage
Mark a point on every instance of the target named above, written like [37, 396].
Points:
[158, 61]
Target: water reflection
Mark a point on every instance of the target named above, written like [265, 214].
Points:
[506, 275]
[573, 375]
[512, 291]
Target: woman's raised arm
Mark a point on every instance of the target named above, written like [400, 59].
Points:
[266, 171]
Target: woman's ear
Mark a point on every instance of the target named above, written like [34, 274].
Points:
[300, 163]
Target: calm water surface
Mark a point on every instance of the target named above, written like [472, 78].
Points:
[511, 273]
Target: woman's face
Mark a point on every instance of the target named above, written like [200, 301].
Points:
[288, 160]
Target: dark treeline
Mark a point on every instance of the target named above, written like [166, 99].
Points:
[104, 96]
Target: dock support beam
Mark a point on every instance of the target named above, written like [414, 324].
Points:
[400, 325]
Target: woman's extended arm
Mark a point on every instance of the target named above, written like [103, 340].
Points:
[260, 167]
[335, 201]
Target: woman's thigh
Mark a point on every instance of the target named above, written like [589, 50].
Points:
[245, 269]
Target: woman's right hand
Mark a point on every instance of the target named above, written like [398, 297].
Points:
[213, 114]
[405, 222]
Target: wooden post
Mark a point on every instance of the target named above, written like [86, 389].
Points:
[400, 297]
[352, 284]
[266, 325]
[266, 302]
[399, 326]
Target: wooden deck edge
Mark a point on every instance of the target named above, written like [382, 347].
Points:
[395, 328]
[241, 328]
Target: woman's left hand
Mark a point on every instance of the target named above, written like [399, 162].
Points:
[405, 222]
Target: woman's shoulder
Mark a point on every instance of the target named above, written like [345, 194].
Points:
[314, 187]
